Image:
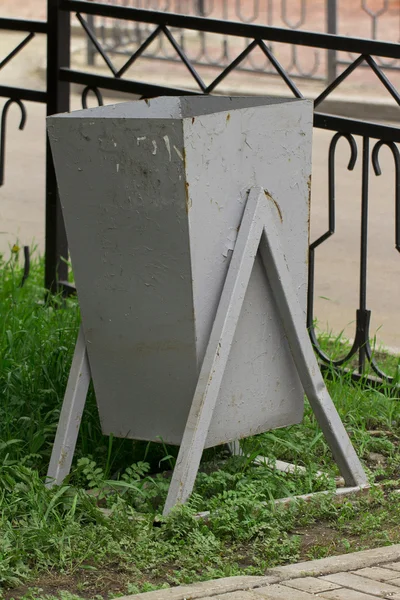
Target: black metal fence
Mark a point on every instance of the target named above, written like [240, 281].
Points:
[377, 20]
[118, 37]
[365, 139]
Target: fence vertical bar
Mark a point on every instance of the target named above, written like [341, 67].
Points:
[331, 27]
[201, 9]
[58, 55]
[91, 50]
[363, 258]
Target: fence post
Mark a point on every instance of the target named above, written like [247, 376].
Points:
[331, 27]
[58, 55]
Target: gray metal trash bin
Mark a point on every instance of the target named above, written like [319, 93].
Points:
[153, 193]
[187, 220]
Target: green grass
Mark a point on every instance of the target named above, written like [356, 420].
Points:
[67, 543]
[337, 347]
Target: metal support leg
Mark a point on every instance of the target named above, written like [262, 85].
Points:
[258, 231]
[303, 354]
[71, 415]
[234, 448]
[216, 356]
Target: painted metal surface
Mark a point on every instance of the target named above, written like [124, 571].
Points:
[153, 194]
[268, 146]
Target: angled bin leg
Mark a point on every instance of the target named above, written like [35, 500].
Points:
[71, 415]
[258, 232]
[278, 274]
[216, 356]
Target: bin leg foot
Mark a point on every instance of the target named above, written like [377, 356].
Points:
[71, 415]
[234, 448]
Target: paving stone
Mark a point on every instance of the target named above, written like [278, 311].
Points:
[345, 562]
[345, 594]
[377, 573]
[311, 585]
[362, 584]
[282, 592]
[394, 566]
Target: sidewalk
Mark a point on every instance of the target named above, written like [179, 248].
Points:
[364, 575]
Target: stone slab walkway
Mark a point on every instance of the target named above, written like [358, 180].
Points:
[363, 575]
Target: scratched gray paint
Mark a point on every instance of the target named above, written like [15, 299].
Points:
[153, 193]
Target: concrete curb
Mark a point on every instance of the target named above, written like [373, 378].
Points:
[314, 568]
[206, 588]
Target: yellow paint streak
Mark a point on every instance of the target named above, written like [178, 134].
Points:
[268, 195]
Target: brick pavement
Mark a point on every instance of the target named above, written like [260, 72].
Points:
[364, 575]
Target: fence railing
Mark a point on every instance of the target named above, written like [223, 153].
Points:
[365, 139]
[373, 19]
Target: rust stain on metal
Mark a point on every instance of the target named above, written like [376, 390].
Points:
[228, 117]
[309, 188]
[188, 200]
[193, 120]
[268, 195]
